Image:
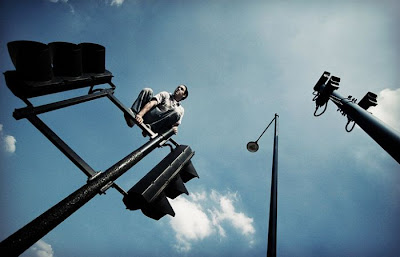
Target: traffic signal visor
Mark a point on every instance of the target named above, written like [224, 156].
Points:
[166, 179]
[31, 60]
[326, 90]
[368, 100]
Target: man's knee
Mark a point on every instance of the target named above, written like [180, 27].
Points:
[144, 97]
[175, 116]
[147, 90]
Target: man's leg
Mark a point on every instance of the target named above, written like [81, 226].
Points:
[164, 121]
[143, 98]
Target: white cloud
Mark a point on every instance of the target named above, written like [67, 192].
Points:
[202, 216]
[8, 142]
[191, 223]
[117, 2]
[228, 213]
[388, 108]
[40, 249]
[72, 9]
[56, 1]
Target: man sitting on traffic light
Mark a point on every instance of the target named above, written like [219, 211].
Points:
[161, 111]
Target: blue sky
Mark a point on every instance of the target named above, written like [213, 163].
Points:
[243, 61]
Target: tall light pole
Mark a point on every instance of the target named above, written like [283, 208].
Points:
[253, 147]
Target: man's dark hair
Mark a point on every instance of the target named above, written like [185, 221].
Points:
[186, 92]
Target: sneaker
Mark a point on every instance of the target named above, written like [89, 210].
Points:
[128, 119]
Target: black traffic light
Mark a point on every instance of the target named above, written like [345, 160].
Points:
[166, 179]
[324, 91]
[368, 100]
[93, 58]
[42, 69]
[31, 59]
[322, 80]
[66, 59]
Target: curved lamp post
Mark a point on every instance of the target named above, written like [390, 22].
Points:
[253, 147]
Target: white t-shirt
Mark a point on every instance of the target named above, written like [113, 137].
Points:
[166, 102]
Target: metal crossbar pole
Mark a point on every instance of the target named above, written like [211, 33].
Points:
[31, 113]
[62, 146]
[21, 240]
[25, 112]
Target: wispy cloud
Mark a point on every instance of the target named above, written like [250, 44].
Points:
[225, 211]
[40, 249]
[388, 108]
[8, 142]
[117, 2]
[72, 9]
[204, 215]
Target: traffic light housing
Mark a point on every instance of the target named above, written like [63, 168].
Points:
[324, 91]
[368, 100]
[31, 60]
[166, 179]
[322, 80]
[66, 59]
[93, 58]
[42, 69]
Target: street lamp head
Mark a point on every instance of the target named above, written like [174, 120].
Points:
[252, 147]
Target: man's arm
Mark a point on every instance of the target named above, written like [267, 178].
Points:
[145, 109]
